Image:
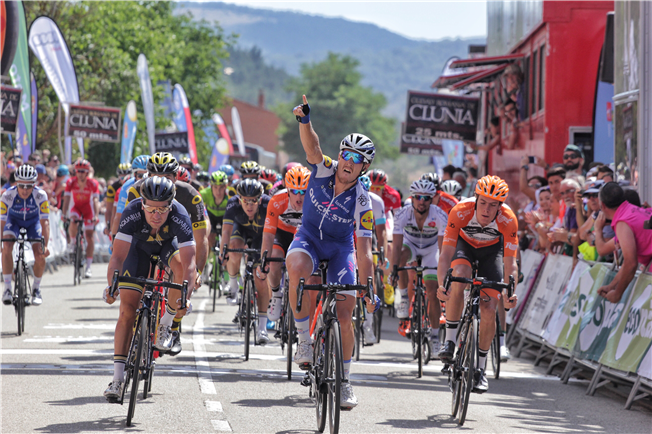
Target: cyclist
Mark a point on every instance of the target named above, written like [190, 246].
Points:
[474, 231]
[243, 225]
[228, 169]
[203, 178]
[24, 206]
[124, 173]
[419, 227]
[163, 164]
[283, 217]
[183, 175]
[84, 193]
[338, 206]
[215, 199]
[139, 169]
[452, 188]
[442, 199]
[272, 177]
[153, 224]
[249, 170]
[187, 164]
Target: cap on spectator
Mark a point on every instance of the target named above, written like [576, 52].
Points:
[593, 187]
[574, 148]
[40, 169]
[62, 170]
[592, 172]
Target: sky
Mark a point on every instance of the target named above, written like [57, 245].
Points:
[417, 20]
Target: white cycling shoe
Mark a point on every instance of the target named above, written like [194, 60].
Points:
[347, 399]
[504, 353]
[275, 307]
[303, 356]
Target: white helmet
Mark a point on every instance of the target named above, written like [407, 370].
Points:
[423, 186]
[361, 144]
[26, 173]
[452, 187]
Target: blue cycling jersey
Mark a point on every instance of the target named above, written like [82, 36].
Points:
[334, 218]
[36, 207]
[121, 203]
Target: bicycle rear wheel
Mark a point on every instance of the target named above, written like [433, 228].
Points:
[248, 316]
[142, 333]
[495, 350]
[75, 261]
[358, 329]
[20, 294]
[291, 333]
[333, 375]
[417, 333]
[468, 363]
[150, 348]
[215, 281]
[319, 376]
[455, 371]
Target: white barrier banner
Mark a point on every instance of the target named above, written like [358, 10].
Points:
[645, 370]
[530, 264]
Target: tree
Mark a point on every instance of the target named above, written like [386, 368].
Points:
[105, 39]
[339, 105]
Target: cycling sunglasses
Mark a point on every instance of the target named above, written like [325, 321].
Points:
[422, 197]
[156, 209]
[249, 201]
[348, 155]
[25, 186]
[81, 171]
[296, 191]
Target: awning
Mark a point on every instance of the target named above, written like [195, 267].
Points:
[486, 61]
[481, 77]
[445, 81]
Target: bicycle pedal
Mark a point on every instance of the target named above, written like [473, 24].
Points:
[306, 380]
[304, 366]
[278, 335]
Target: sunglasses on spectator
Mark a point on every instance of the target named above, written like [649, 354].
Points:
[249, 201]
[592, 195]
[25, 186]
[156, 209]
[535, 186]
[422, 197]
[569, 191]
[296, 191]
[348, 155]
[571, 156]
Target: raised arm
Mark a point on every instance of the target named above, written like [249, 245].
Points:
[309, 138]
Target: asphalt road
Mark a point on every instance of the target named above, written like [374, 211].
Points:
[53, 376]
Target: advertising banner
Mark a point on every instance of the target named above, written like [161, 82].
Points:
[179, 98]
[564, 324]
[171, 142]
[19, 73]
[50, 48]
[237, 130]
[148, 100]
[548, 293]
[530, 264]
[34, 110]
[10, 30]
[432, 118]
[222, 147]
[129, 128]
[600, 319]
[101, 124]
[645, 368]
[630, 340]
[10, 108]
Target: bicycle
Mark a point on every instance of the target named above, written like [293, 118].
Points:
[495, 349]
[420, 327]
[286, 330]
[140, 357]
[248, 313]
[79, 253]
[22, 288]
[325, 375]
[216, 281]
[380, 289]
[462, 371]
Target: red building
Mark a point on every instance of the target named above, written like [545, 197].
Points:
[557, 45]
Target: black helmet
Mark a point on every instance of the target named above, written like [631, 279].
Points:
[434, 178]
[157, 189]
[186, 161]
[249, 188]
[203, 177]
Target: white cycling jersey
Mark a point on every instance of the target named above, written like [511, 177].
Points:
[405, 223]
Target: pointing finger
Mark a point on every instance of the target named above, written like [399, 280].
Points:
[305, 100]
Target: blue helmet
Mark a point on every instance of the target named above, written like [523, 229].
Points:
[227, 168]
[140, 162]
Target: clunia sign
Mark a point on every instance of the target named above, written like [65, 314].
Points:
[100, 124]
[433, 117]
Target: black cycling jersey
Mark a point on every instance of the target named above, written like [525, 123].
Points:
[133, 225]
[186, 195]
[236, 215]
[196, 184]
[112, 189]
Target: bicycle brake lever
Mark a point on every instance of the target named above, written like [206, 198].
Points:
[184, 294]
[300, 293]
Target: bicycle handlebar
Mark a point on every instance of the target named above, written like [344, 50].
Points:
[333, 287]
[264, 261]
[153, 282]
[26, 240]
[226, 251]
[480, 281]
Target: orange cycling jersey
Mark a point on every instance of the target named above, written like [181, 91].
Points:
[446, 202]
[278, 205]
[463, 222]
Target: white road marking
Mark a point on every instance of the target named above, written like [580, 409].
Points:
[214, 406]
[221, 425]
[201, 361]
[80, 326]
[69, 339]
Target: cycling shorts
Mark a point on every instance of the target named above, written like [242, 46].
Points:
[137, 262]
[12, 226]
[216, 223]
[84, 211]
[250, 238]
[341, 257]
[282, 240]
[429, 258]
[490, 262]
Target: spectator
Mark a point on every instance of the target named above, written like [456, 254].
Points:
[565, 232]
[46, 156]
[510, 117]
[605, 173]
[554, 176]
[587, 226]
[492, 137]
[17, 160]
[60, 184]
[541, 219]
[460, 176]
[635, 241]
[53, 161]
[34, 158]
[448, 172]
[574, 160]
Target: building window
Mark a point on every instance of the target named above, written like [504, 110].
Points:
[542, 76]
[526, 87]
[535, 59]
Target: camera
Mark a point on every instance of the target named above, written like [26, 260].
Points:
[532, 160]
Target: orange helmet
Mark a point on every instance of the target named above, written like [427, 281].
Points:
[492, 187]
[297, 177]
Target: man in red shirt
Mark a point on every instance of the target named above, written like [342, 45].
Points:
[84, 193]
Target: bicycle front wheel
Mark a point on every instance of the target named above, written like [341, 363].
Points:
[469, 364]
[215, 280]
[142, 333]
[358, 329]
[248, 316]
[291, 335]
[495, 350]
[21, 283]
[417, 334]
[455, 371]
[333, 375]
